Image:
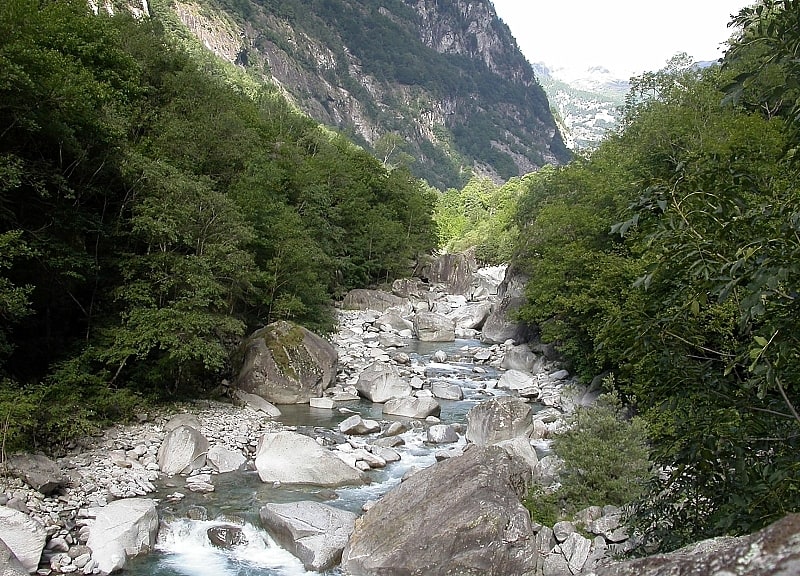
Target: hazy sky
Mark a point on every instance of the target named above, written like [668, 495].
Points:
[626, 36]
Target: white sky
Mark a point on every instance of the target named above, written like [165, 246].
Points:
[626, 36]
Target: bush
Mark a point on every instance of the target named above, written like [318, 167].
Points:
[605, 461]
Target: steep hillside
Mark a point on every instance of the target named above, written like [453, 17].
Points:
[441, 86]
[586, 104]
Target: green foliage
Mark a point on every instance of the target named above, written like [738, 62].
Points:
[480, 216]
[605, 457]
[156, 205]
[605, 462]
[669, 256]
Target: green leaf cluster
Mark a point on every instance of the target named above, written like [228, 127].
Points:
[669, 257]
[480, 216]
[154, 206]
[605, 461]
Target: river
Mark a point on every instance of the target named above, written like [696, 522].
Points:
[183, 548]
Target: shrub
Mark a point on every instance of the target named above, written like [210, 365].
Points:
[605, 461]
[605, 457]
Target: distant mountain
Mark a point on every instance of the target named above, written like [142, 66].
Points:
[586, 102]
[438, 84]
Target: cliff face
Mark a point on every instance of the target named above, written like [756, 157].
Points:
[438, 85]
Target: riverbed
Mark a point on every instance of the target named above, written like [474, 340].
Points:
[183, 548]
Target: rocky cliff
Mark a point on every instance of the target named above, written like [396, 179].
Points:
[438, 85]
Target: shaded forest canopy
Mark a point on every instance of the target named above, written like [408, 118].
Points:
[153, 209]
[669, 261]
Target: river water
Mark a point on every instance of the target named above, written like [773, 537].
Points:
[183, 549]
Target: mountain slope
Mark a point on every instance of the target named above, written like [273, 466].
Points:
[442, 83]
[587, 103]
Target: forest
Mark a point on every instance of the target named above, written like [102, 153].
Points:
[155, 207]
[668, 261]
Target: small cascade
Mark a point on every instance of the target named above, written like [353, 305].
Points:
[184, 548]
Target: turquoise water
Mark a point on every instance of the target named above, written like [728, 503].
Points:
[183, 548]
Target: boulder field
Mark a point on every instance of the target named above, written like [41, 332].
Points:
[92, 509]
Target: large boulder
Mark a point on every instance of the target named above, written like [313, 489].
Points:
[499, 419]
[316, 533]
[769, 552]
[412, 407]
[10, 564]
[380, 382]
[460, 516]
[432, 327]
[522, 358]
[257, 403]
[516, 380]
[121, 530]
[23, 535]
[471, 316]
[286, 364]
[391, 321]
[499, 326]
[183, 419]
[410, 287]
[184, 449]
[224, 459]
[455, 271]
[292, 458]
[361, 299]
[37, 471]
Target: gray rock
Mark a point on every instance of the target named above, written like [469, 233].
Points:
[225, 459]
[562, 530]
[183, 419]
[226, 536]
[408, 287]
[386, 454]
[122, 529]
[37, 471]
[9, 563]
[431, 327]
[184, 449]
[412, 407]
[426, 525]
[556, 565]
[355, 424]
[521, 358]
[380, 382]
[455, 271]
[394, 429]
[516, 380]
[361, 299]
[499, 419]
[442, 434]
[322, 403]
[546, 471]
[521, 448]
[314, 532]
[257, 403]
[286, 364]
[471, 316]
[392, 322]
[23, 535]
[386, 340]
[292, 458]
[445, 391]
[511, 296]
[773, 551]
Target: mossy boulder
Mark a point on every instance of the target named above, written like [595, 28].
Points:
[286, 364]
